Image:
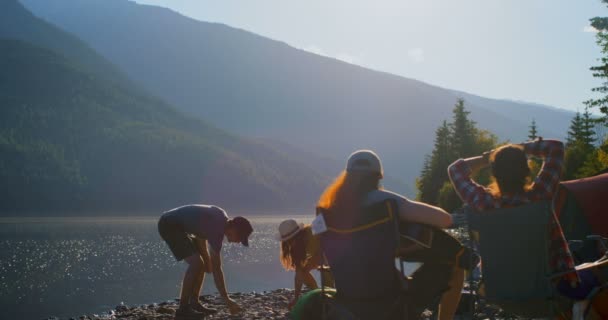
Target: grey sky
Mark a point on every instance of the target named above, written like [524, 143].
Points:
[532, 50]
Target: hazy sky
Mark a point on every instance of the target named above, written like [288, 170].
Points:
[533, 50]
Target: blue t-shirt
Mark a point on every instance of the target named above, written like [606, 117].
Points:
[201, 221]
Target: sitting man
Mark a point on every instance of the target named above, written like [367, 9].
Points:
[187, 230]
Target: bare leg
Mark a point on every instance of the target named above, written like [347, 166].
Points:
[198, 285]
[308, 280]
[195, 267]
[451, 298]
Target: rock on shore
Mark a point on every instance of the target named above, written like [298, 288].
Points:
[269, 305]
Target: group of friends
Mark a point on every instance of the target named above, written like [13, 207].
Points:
[194, 233]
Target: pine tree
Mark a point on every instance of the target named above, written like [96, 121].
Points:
[458, 139]
[595, 163]
[463, 131]
[532, 133]
[587, 134]
[579, 145]
[574, 132]
[601, 71]
[432, 175]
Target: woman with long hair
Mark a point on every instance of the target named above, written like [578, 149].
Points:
[512, 186]
[300, 252]
[357, 187]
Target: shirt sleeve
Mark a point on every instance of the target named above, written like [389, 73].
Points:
[472, 193]
[552, 153]
[561, 259]
[544, 186]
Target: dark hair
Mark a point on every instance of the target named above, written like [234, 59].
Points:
[293, 251]
[243, 228]
[510, 170]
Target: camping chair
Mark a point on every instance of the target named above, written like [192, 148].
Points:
[361, 252]
[513, 246]
[582, 209]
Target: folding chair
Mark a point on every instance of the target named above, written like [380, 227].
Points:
[361, 250]
[513, 244]
[582, 209]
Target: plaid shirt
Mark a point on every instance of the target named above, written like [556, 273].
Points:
[481, 199]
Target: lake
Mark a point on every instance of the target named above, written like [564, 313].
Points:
[67, 267]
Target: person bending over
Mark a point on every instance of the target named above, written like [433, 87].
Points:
[187, 230]
[301, 252]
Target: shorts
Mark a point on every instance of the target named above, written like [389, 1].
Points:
[432, 279]
[429, 283]
[182, 246]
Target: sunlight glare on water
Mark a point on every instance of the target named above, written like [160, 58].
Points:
[66, 267]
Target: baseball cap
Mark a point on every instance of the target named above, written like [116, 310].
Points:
[243, 228]
[364, 161]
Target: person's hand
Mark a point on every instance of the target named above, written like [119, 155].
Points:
[233, 307]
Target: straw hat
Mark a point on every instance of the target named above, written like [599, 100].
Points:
[288, 229]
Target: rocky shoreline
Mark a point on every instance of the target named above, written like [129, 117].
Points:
[268, 305]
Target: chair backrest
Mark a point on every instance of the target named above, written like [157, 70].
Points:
[513, 244]
[582, 208]
[360, 250]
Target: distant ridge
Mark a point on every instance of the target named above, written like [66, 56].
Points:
[259, 87]
[18, 23]
[77, 137]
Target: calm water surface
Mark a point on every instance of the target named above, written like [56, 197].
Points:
[72, 266]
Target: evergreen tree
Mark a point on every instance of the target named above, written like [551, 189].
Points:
[595, 163]
[579, 145]
[463, 131]
[458, 139]
[532, 133]
[433, 176]
[574, 132]
[587, 134]
[601, 71]
[601, 133]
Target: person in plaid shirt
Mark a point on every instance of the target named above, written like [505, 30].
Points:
[512, 187]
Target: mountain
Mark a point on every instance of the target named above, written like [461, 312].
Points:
[18, 23]
[74, 140]
[70, 142]
[547, 118]
[264, 88]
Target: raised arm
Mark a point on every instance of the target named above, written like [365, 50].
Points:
[469, 191]
[552, 154]
[218, 278]
[414, 211]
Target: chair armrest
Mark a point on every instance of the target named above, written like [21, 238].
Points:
[603, 242]
[323, 268]
[575, 245]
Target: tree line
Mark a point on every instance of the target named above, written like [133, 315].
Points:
[586, 144]
[586, 152]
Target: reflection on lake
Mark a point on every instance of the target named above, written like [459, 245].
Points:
[71, 266]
